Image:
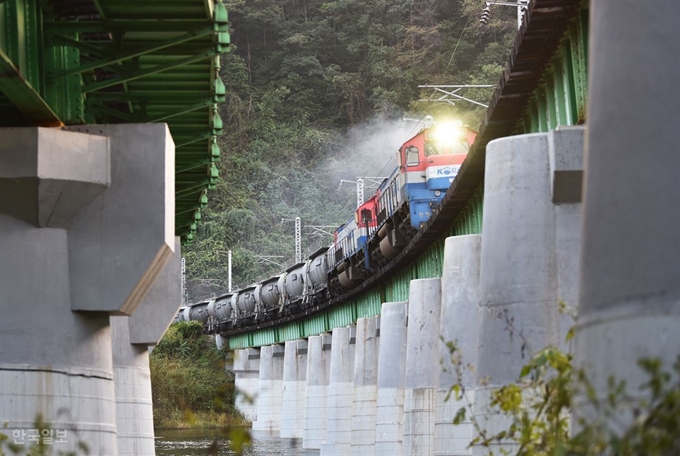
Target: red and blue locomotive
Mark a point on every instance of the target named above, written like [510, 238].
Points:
[427, 164]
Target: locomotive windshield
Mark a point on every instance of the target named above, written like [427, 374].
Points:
[432, 149]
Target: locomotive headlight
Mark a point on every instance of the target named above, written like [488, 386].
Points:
[450, 133]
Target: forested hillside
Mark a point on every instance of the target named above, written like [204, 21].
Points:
[316, 92]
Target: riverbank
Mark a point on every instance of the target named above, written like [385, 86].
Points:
[192, 442]
[189, 385]
[184, 420]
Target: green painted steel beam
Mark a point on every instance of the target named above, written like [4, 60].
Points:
[137, 53]
[157, 97]
[90, 49]
[126, 117]
[155, 69]
[130, 25]
[179, 112]
[184, 168]
[194, 186]
[22, 95]
[183, 140]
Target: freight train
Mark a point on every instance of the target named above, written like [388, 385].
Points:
[379, 229]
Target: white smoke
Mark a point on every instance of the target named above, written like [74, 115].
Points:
[368, 150]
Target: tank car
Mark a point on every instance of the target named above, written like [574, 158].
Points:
[375, 235]
[271, 293]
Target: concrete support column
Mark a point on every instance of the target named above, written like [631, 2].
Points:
[365, 386]
[518, 271]
[422, 366]
[132, 337]
[389, 422]
[525, 257]
[630, 293]
[134, 409]
[565, 153]
[293, 401]
[246, 379]
[269, 389]
[316, 398]
[340, 393]
[87, 225]
[460, 326]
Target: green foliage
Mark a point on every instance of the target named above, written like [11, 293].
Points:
[304, 72]
[189, 385]
[538, 408]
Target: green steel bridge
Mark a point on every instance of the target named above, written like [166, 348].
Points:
[70, 62]
[543, 86]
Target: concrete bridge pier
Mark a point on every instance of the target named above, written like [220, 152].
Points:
[87, 222]
[132, 337]
[422, 366]
[269, 389]
[365, 386]
[294, 388]
[316, 397]
[389, 422]
[460, 327]
[340, 393]
[132, 378]
[524, 255]
[630, 293]
[246, 379]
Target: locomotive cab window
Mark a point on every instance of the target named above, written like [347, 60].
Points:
[432, 149]
[366, 216]
[412, 156]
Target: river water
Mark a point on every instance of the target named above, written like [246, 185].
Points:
[213, 441]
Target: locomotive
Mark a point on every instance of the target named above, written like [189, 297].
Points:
[379, 229]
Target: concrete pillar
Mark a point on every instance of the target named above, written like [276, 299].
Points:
[518, 271]
[132, 336]
[246, 379]
[630, 293]
[340, 393]
[389, 422]
[422, 366]
[269, 389]
[221, 342]
[525, 257]
[87, 225]
[365, 386]
[316, 397]
[134, 409]
[293, 401]
[460, 326]
[565, 153]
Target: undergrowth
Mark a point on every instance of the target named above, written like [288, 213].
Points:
[189, 384]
